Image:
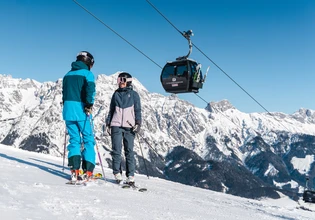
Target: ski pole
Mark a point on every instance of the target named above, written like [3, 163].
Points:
[145, 165]
[98, 152]
[148, 144]
[64, 151]
[152, 148]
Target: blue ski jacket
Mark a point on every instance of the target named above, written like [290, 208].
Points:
[78, 91]
[124, 106]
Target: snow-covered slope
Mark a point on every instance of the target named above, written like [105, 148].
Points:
[32, 186]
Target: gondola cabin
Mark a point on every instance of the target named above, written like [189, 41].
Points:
[309, 196]
[182, 76]
[309, 193]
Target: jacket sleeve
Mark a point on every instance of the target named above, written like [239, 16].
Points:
[111, 110]
[137, 108]
[90, 88]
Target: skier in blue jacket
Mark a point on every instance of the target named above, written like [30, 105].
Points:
[123, 122]
[78, 92]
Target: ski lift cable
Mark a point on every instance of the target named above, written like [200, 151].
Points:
[137, 48]
[116, 33]
[208, 57]
[85, 9]
[155, 8]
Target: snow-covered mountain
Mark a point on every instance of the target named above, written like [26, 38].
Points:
[32, 186]
[217, 148]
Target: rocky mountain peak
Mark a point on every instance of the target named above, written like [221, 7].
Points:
[304, 115]
[7, 82]
[222, 106]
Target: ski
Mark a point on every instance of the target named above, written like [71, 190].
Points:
[119, 182]
[85, 182]
[133, 186]
[77, 182]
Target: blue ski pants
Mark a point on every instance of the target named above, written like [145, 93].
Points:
[81, 131]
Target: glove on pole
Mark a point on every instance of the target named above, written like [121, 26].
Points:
[136, 128]
[88, 109]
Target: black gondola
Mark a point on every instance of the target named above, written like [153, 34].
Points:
[309, 196]
[309, 193]
[183, 75]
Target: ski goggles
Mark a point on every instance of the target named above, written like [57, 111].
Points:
[123, 80]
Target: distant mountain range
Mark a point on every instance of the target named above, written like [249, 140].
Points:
[218, 148]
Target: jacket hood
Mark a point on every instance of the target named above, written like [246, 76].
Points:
[78, 65]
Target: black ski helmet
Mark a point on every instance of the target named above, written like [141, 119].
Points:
[127, 76]
[86, 58]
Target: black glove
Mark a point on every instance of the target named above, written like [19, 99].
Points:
[88, 109]
[136, 128]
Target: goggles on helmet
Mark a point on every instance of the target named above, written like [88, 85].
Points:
[123, 80]
[86, 54]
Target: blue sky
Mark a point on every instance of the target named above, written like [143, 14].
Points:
[266, 46]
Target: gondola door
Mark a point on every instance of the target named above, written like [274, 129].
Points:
[175, 77]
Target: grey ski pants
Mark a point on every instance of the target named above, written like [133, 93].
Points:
[119, 136]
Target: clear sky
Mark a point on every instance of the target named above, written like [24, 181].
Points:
[265, 46]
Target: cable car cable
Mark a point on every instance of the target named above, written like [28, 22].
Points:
[116, 33]
[137, 49]
[208, 57]
[85, 9]
[132, 44]
[211, 61]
